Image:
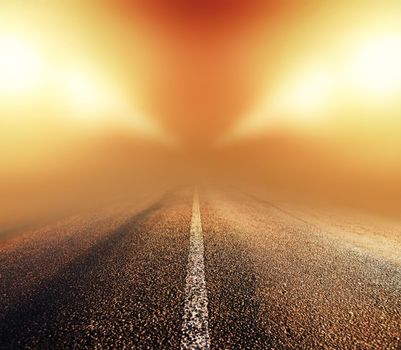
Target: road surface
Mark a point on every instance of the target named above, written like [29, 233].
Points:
[222, 271]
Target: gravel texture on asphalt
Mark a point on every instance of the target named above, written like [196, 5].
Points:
[277, 282]
[116, 277]
[125, 289]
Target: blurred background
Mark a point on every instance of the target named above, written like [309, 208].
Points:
[101, 99]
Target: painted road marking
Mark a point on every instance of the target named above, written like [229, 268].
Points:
[195, 327]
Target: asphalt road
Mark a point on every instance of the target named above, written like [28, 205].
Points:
[243, 275]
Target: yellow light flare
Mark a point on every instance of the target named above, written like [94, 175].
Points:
[362, 84]
[85, 95]
[21, 65]
[307, 96]
[376, 68]
[302, 101]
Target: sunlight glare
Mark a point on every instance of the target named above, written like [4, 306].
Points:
[308, 95]
[377, 66]
[85, 95]
[21, 66]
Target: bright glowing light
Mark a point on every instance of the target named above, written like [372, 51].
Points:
[301, 101]
[377, 66]
[21, 66]
[85, 95]
[307, 96]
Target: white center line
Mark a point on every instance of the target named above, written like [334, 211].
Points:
[195, 327]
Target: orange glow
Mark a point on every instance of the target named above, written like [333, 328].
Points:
[196, 74]
[50, 60]
[337, 84]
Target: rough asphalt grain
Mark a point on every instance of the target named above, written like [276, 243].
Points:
[116, 279]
